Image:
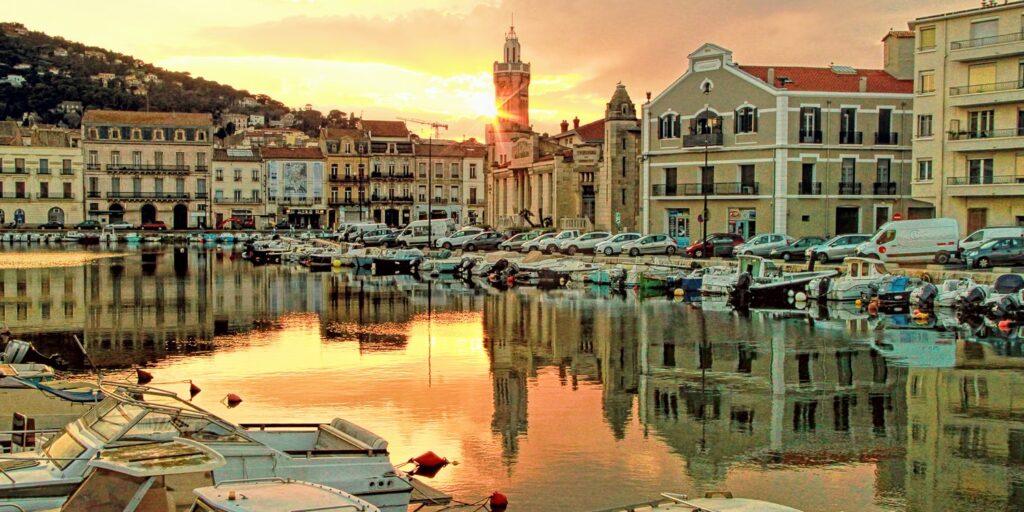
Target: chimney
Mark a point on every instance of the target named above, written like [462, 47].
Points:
[576, 123]
[898, 53]
[863, 84]
[565, 126]
[771, 77]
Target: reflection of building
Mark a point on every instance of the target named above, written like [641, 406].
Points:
[40, 175]
[718, 392]
[798, 150]
[51, 300]
[147, 166]
[968, 110]
[966, 436]
[295, 185]
[238, 184]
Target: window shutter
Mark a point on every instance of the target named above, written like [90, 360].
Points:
[736, 120]
[755, 119]
[661, 128]
[677, 126]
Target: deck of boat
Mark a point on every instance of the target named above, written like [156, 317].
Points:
[425, 495]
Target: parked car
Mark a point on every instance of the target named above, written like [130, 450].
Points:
[585, 242]
[553, 244]
[488, 240]
[157, 225]
[1001, 251]
[979, 237]
[837, 248]
[762, 245]
[52, 225]
[516, 242]
[914, 241]
[120, 225]
[651, 244]
[535, 244]
[612, 246]
[284, 225]
[378, 237]
[797, 250]
[716, 244]
[353, 231]
[457, 238]
[88, 224]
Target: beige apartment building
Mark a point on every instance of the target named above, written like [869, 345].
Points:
[238, 188]
[144, 167]
[295, 186]
[454, 187]
[787, 149]
[391, 159]
[474, 162]
[969, 139]
[40, 175]
[346, 152]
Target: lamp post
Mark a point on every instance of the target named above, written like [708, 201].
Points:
[704, 186]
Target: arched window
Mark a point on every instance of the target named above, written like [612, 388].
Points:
[136, 134]
[706, 122]
[625, 108]
[746, 120]
[669, 127]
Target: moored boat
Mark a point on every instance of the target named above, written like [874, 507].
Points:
[862, 278]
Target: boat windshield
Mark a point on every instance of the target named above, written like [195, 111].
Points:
[109, 417]
[63, 449]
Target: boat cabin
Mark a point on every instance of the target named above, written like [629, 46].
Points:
[857, 266]
[757, 266]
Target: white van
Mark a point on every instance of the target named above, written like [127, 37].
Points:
[420, 232]
[985, 234]
[913, 241]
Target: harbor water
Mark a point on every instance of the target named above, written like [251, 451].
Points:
[572, 399]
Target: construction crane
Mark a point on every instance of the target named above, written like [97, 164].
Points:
[432, 124]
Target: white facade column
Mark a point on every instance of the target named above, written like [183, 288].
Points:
[781, 163]
[645, 173]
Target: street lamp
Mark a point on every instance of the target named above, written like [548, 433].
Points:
[708, 129]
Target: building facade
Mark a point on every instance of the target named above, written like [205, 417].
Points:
[239, 183]
[40, 175]
[143, 167]
[295, 186]
[968, 145]
[391, 158]
[346, 152]
[796, 150]
[474, 163]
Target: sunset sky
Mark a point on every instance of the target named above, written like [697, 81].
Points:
[432, 59]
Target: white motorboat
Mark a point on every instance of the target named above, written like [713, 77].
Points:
[276, 494]
[720, 280]
[72, 237]
[711, 502]
[861, 279]
[339, 454]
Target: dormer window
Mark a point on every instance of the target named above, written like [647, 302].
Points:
[746, 120]
[625, 108]
[115, 134]
[94, 133]
[669, 128]
[391, 148]
[201, 135]
[158, 134]
[136, 134]
[179, 135]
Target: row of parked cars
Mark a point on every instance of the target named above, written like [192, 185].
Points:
[95, 225]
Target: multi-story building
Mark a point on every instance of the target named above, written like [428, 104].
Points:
[474, 165]
[295, 185]
[968, 145]
[147, 166]
[439, 180]
[40, 175]
[238, 187]
[797, 150]
[391, 157]
[346, 152]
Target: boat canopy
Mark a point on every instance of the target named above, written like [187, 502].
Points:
[173, 457]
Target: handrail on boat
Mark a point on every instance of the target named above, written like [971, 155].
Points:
[250, 480]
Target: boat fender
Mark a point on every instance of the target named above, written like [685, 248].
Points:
[143, 377]
[1005, 325]
[801, 297]
[510, 280]
[193, 390]
[823, 286]
[233, 400]
[678, 292]
[430, 460]
[498, 501]
[873, 308]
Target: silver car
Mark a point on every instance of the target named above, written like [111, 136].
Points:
[585, 242]
[613, 245]
[517, 241]
[651, 244]
[536, 243]
[762, 245]
[837, 248]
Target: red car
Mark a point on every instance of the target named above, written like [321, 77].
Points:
[717, 244]
[157, 225]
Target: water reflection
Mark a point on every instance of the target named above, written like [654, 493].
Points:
[566, 399]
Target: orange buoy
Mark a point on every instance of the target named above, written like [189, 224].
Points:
[233, 399]
[1004, 325]
[193, 390]
[511, 280]
[430, 460]
[873, 308]
[143, 376]
[498, 501]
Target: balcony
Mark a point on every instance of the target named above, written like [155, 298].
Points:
[202, 195]
[395, 176]
[985, 186]
[439, 200]
[149, 196]
[809, 188]
[849, 189]
[887, 138]
[147, 169]
[711, 189]
[235, 200]
[202, 168]
[986, 94]
[884, 188]
[55, 195]
[810, 137]
[16, 170]
[1004, 45]
[14, 195]
[986, 140]
[92, 166]
[93, 194]
[300, 201]
[851, 137]
[694, 140]
[453, 200]
[391, 198]
[67, 172]
[342, 201]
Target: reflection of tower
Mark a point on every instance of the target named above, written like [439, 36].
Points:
[512, 87]
[509, 418]
[616, 336]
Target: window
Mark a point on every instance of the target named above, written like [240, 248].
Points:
[926, 82]
[136, 185]
[66, 167]
[158, 159]
[179, 160]
[810, 125]
[924, 170]
[981, 78]
[94, 158]
[255, 175]
[455, 194]
[348, 147]
[984, 32]
[44, 166]
[926, 38]
[439, 170]
[115, 133]
[201, 135]
[981, 123]
[391, 168]
[137, 158]
[405, 169]
[924, 125]
[94, 133]
[238, 175]
[423, 170]
[472, 171]
[746, 120]
[472, 195]
[670, 127]
[136, 134]
[179, 135]
[848, 171]
[115, 158]
[455, 171]
[158, 134]
[218, 174]
[979, 172]
[200, 161]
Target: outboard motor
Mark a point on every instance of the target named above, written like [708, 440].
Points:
[926, 295]
[741, 293]
[824, 285]
[1008, 283]
[1004, 308]
[970, 303]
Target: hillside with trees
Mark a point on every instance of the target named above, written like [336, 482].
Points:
[53, 70]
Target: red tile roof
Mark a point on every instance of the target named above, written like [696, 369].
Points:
[147, 118]
[458, 149]
[592, 131]
[385, 128]
[826, 80]
[898, 33]
[291, 153]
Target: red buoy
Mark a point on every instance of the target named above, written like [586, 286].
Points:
[1004, 325]
[498, 501]
[430, 460]
[143, 376]
[193, 390]
[511, 280]
[233, 399]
